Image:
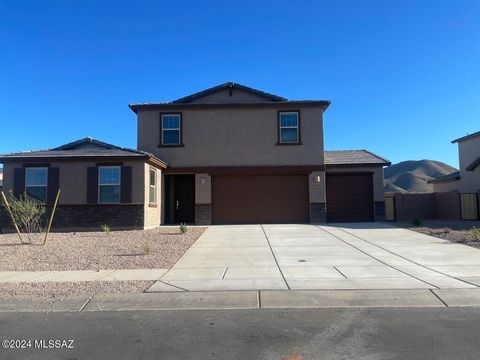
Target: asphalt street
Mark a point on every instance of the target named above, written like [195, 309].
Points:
[390, 333]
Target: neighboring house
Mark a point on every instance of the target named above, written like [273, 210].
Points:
[235, 155]
[467, 179]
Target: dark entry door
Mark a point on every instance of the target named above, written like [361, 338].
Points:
[184, 198]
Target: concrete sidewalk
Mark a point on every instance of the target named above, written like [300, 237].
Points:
[268, 299]
[81, 275]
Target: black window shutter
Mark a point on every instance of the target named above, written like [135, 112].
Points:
[92, 185]
[18, 182]
[126, 185]
[53, 184]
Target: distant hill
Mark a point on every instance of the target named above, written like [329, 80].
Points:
[413, 175]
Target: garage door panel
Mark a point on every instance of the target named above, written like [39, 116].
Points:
[349, 197]
[260, 199]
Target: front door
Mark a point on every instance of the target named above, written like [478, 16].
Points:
[180, 196]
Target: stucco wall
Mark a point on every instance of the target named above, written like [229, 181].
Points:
[378, 193]
[469, 150]
[153, 212]
[73, 180]
[203, 189]
[446, 186]
[317, 189]
[234, 137]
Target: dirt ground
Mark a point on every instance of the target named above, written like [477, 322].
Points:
[137, 249]
[456, 231]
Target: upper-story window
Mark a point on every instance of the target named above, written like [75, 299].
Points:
[36, 180]
[109, 184]
[152, 195]
[171, 129]
[288, 127]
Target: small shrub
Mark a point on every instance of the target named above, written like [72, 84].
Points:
[106, 229]
[183, 228]
[147, 248]
[29, 215]
[474, 233]
[417, 222]
[446, 230]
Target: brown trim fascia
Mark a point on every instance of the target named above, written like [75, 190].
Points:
[274, 104]
[350, 173]
[160, 144]
[299, 127]
[246, 170]
[30, 161]
[156, 162]
[107, 163]
[37, 165]
[99, 205]
[440, 181]
[338, 166]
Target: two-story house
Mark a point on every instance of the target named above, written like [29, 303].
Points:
[226, 155]
[467, 180]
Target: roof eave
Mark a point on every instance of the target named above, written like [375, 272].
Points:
[171, 106]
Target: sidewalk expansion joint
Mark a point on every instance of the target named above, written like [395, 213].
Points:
[275, 258]
[406, 259]
[86, 303]
[377, 259]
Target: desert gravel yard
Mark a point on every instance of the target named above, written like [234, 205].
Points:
[61, 289]
[462, 231]
[137, 249]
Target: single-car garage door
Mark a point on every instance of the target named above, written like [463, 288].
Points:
[349, 197]
[260, 199]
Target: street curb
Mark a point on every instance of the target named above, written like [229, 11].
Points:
[248, 299]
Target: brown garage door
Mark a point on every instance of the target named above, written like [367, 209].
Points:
[349, 197]
[260, 199]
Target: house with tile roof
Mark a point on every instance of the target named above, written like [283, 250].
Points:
[229, 154]
[467, 179]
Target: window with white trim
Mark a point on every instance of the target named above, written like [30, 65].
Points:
[171, 128]
[288, 127]
[109, 184]
[36, 180]
[152, 195]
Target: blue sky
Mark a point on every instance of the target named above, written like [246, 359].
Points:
[403, 77]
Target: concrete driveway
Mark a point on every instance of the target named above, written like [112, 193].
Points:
[337, 256]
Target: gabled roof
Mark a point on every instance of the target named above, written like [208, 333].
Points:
[83, 149]
[228, 86]
[189, 101]
[446, 178]
[354, 157]
[473, 164]
[466, 137]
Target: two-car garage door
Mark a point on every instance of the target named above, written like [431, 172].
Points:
[250, 199]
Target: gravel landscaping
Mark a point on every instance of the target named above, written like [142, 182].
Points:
[137, 249]
[58, 290]
[455, 231]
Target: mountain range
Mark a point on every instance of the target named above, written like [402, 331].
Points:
[413, 175]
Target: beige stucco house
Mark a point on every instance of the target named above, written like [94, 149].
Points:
[466, 181]
[226, 155]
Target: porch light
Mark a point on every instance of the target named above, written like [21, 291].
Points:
[203, 180]
[318, 179]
